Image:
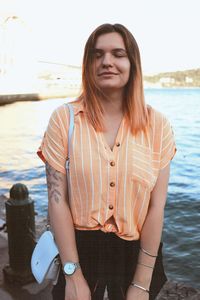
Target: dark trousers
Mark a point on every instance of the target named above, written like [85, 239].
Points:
[109, 261]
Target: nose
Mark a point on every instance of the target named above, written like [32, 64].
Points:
[107, 60]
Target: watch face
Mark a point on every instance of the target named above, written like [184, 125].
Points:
[69, 268]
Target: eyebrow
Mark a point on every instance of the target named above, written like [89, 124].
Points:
[115, 49]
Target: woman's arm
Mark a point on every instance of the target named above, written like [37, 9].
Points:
[63, 228]
[151, 235]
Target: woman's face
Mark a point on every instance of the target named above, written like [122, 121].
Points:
[111, 63]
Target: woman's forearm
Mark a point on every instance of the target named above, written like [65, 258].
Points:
[149, 241]
[60, 215]
[62, 225]
[152, 229]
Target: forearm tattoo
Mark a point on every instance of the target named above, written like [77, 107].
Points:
[55, 184]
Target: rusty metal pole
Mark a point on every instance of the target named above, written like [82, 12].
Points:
[20, 220]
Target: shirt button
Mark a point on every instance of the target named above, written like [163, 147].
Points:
[118, 144]
[112, 184]
[112, 163]
[110, 206]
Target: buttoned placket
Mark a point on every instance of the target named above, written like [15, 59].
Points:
[111, 158]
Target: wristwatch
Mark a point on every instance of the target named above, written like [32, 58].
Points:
[70, 268]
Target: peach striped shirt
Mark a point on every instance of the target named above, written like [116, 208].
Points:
[110, 189]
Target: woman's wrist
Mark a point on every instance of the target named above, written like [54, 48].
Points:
[77, 275]
[139, 286]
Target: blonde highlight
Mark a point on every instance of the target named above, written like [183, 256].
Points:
[135, 109]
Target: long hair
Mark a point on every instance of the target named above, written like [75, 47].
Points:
[134, 104]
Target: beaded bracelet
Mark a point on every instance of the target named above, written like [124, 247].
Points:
[139, 287]
[146, 252]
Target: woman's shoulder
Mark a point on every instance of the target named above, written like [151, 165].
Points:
[156, 117]
[62, 111]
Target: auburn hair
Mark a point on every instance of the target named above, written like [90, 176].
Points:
[134, 106]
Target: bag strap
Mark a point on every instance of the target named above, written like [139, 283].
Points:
[70, 131]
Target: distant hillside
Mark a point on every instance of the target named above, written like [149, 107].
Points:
[187, 78]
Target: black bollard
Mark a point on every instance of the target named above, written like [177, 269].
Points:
[20, 220]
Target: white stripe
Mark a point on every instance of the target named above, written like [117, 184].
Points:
[53, 151]
[66, 111]
[166, 123]
[141, 209]
[167, 135]
[117, 186]
[125, 177]
[142, 179]
[154, 131]
[91, 166]
[54, 142]
[55, 161]
[132, 210]
[107, 158]
[140, 168]
[53, 129]
[108, 185]
[169, 145]
[82, 164]
[54, 121]
[169, 153]
[139, 151]
[62, 125]
[117, 173]
[76, 177]
[161, 136]
[141, 160]
[100, 178]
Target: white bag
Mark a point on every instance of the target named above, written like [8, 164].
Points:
[45, 262]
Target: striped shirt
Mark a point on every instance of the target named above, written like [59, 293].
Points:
[110, 189]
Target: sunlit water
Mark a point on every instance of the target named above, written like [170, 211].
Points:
[21, 128]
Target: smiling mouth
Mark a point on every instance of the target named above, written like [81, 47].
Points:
[107, 74]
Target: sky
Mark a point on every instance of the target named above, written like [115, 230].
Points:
[167, 31]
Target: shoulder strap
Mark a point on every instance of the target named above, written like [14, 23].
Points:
[70, 131]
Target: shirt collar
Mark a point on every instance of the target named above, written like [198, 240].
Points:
[78, 106]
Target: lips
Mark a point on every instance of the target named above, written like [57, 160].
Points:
[107, 74]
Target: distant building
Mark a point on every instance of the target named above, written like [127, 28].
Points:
[188, 79]
[167, 80]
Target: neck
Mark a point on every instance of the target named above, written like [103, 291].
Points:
[113, 103]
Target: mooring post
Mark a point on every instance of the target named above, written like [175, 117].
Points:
[20, 220]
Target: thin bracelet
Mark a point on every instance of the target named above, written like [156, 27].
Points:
[140, 287]
[151, 267]
[146, 252]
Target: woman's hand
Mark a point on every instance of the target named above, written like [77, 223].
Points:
[77, 288]
[134, 293]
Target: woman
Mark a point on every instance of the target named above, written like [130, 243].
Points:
[109, 230]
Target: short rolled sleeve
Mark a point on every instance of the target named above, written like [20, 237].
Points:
[53, 148]
[168, 146]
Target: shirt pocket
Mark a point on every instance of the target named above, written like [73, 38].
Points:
[142, 171]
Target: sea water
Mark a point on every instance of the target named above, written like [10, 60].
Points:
[22, 125]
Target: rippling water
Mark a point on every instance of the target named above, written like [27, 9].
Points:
[21, 128]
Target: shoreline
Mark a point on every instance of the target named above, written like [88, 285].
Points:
[35, 96]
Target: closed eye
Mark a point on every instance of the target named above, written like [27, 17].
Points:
[119, 53]
[97, 53]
